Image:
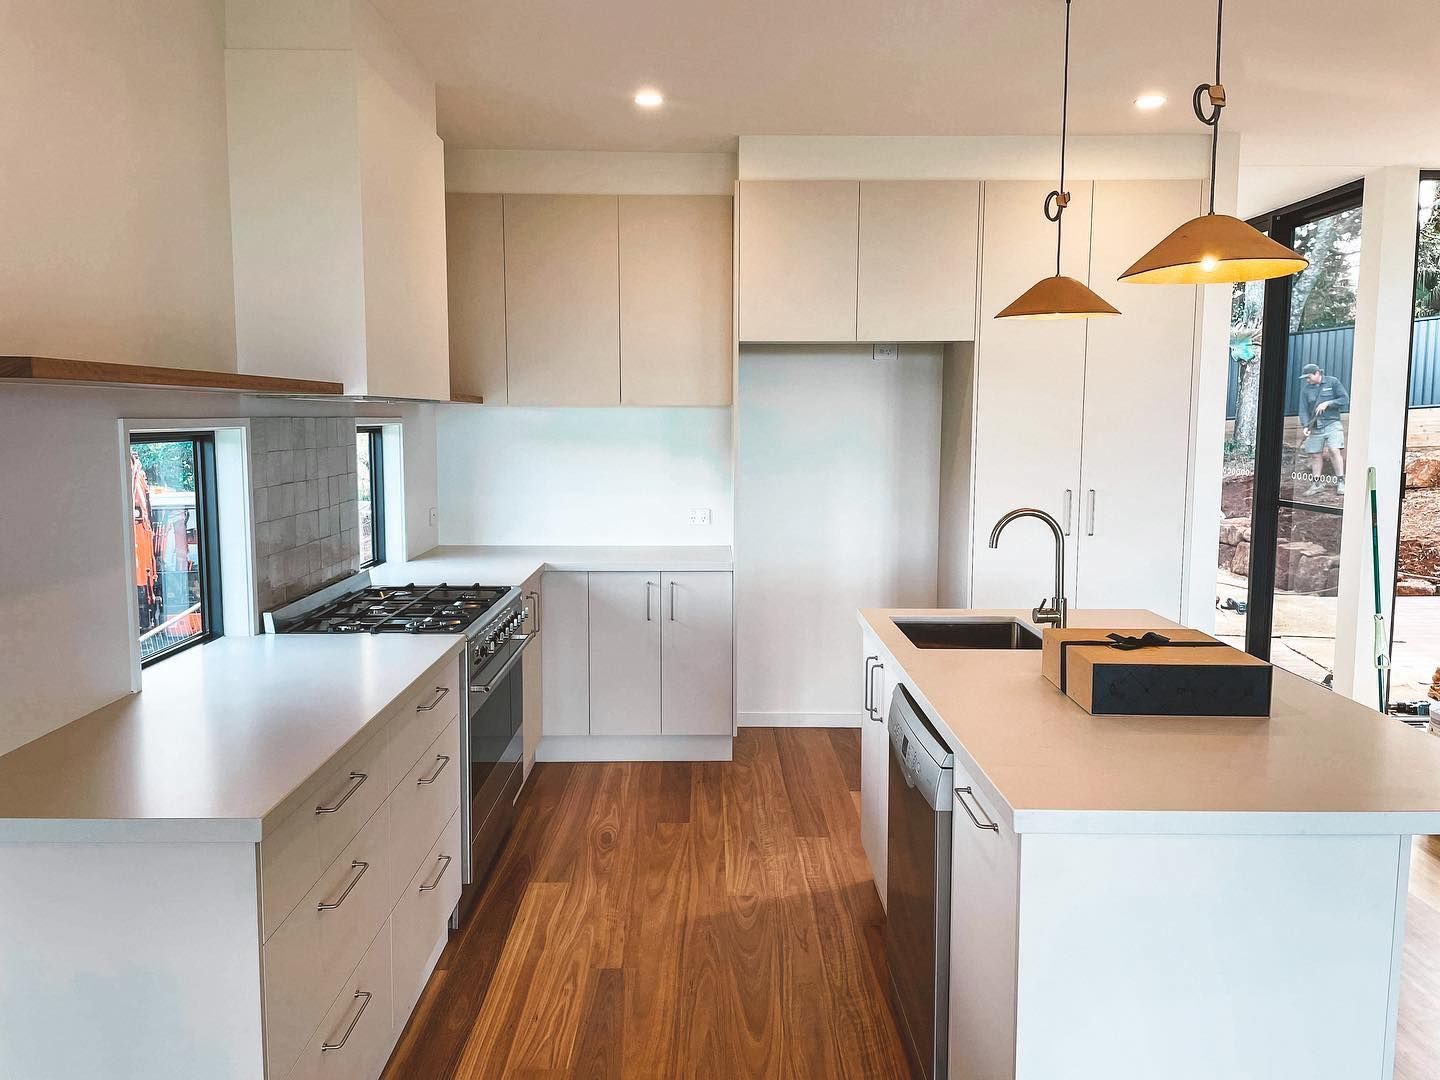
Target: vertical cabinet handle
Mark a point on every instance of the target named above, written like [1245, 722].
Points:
[648, 586]
[1069, 506]
[960, 793]
[534, 598]
[362, 996]
[672, 601]
[1090, 515]
[877, 712]
[869, 686]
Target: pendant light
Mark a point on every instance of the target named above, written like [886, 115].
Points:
[1214, 248]
[1059, 297]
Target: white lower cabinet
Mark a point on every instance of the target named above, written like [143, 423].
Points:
[625, 613]
[984, 905]
[354, 1039]
[874, 763]
[636, 655]
[424, 905]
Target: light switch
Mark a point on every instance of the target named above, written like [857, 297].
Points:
[886, 352]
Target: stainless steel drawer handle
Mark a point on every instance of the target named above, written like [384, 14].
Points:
[444, 861]
[960, 793]
[357, 780]
[877, 711]
[332, 905]
[440, 692]
[441, 761]
[362, 996]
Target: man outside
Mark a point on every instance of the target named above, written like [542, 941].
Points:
[1322, 397]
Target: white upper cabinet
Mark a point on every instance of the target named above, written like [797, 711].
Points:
[1029, 388]
[918, 244]
[675, 311]
[562, 280]
[475, 253]
[799, 248]
[1138, 369]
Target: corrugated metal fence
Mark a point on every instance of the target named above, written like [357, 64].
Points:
[1334, 349]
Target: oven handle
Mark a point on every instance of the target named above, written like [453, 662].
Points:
[525, 640]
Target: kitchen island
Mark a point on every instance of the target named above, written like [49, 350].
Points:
[1159, 896]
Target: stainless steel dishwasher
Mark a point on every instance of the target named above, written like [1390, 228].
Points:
[917, 930]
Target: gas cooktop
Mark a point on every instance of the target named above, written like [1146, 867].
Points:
[396, 609]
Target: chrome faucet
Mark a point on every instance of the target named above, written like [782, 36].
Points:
[1057, 613]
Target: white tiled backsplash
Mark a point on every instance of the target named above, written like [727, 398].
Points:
[307, 519]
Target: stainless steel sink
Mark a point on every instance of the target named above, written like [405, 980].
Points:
[968, 634]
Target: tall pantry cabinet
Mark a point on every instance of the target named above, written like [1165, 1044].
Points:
[1086, 419]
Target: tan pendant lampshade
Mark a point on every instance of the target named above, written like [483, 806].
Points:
[1057, 297]
[1214, 248]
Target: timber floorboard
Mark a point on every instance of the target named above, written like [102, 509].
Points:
[707, 920]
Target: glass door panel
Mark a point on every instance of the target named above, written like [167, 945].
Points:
[1415, 650]
[1319, 347]
[1237, 490]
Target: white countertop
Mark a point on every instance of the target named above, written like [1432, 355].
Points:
[220, 736]
[1320, 763]
[513, 565]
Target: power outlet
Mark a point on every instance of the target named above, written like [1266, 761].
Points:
[700, 516]
[434, 515]
[886, 352]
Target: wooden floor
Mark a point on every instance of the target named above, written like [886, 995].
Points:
[1417, 1043]
[668, 920]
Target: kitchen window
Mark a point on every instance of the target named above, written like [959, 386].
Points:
[370, 475]
[177, 547]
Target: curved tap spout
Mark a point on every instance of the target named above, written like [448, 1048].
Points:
[1057, 613]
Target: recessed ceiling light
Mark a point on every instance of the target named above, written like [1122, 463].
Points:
[649, 99]
[1149, 101]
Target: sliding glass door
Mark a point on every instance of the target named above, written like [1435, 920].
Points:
[1291, 345]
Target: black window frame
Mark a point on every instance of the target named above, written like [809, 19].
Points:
[207, 531]
[1266, 501]
[376, 438]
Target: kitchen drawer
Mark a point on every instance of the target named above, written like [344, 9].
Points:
[307, 958]
[421, 919]
[293, 857]
[422, 803]
[433, 703]
[353, 1040]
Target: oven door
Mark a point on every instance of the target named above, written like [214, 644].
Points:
[496, 708]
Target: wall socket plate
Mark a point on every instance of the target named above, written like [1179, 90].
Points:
[700, 516]
[886, 352]
[434, 515]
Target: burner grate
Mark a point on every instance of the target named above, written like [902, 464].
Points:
[403, 609]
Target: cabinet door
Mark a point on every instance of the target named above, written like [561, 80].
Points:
[625, 614]
[984, 937]
[675, 312]
[562, 280]
[696, 654]
[1138, 369]
[918, 259]
[1029, 383]
[475, 256]
[874, 764]
[798, 258]
[532, 679]
[565, 663]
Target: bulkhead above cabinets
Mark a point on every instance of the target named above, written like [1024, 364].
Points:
[847, 260]
[591, 299]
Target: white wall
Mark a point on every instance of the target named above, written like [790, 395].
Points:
[65, 585]
[582, 476]
[836, 508]
[114, 205]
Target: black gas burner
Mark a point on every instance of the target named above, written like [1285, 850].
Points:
[403, 609]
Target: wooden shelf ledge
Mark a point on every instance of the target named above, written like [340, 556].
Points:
[90, 373]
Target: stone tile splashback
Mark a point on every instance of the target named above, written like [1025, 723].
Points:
[307, 520]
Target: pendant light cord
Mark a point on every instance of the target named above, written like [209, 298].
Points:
[1217, 103]
[1061, 197]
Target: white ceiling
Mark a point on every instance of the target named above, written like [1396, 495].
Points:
[560, 74]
